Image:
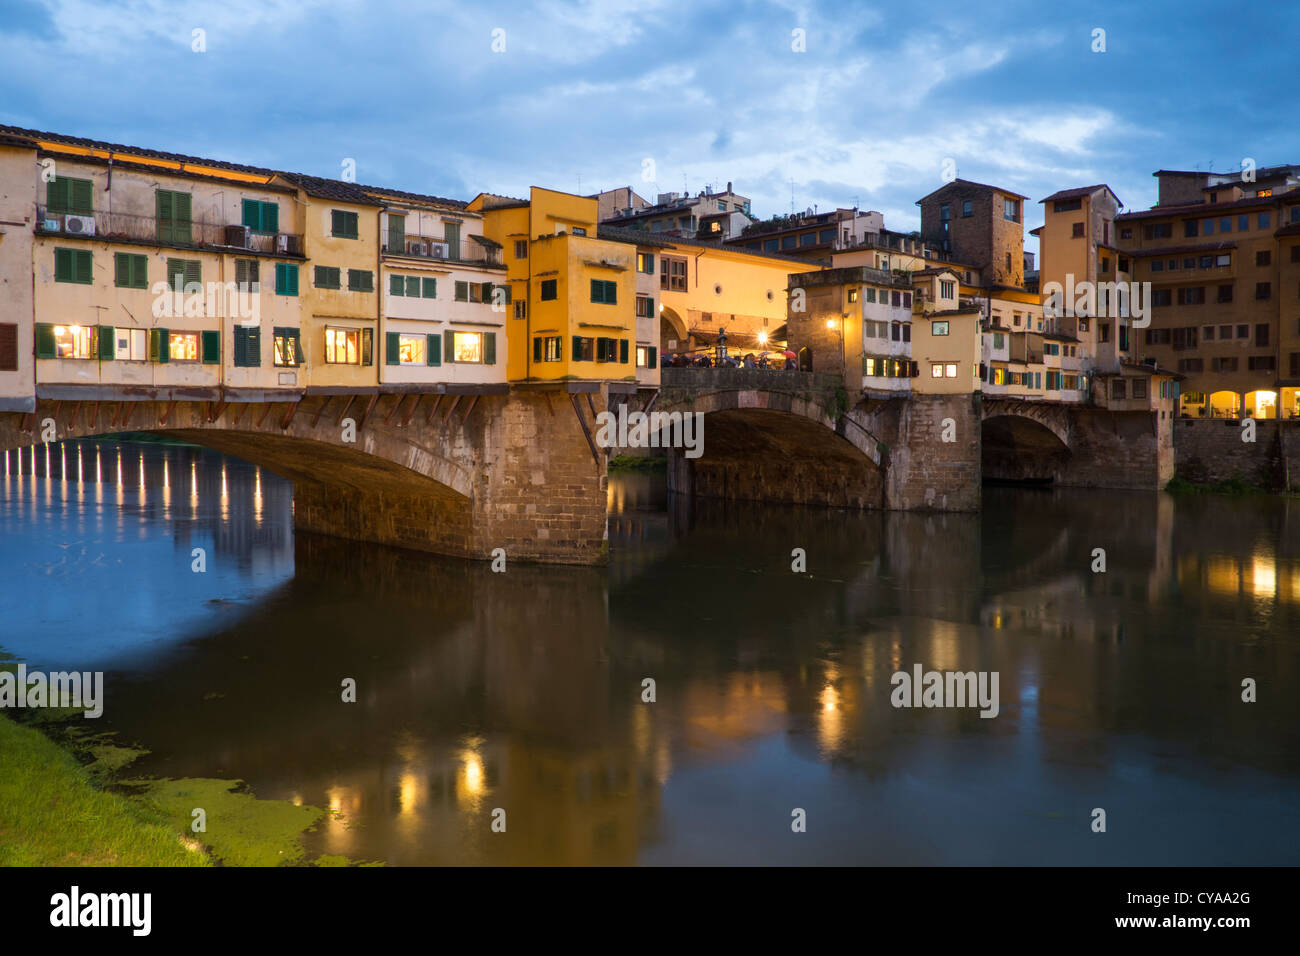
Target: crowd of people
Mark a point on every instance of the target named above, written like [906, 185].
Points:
[770, 360]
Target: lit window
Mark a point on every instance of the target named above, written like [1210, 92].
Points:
[288, 348]
[936, 370]
[183, 347]
[467, 347]
[72, 341]
[410, 349]
[950, 370]
[343, 346]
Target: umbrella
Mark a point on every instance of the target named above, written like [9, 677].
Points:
[789, 354]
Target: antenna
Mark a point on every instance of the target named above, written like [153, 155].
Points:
[792, 196]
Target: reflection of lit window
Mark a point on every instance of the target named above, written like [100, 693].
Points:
[72, 341]
[132, 345]
[467, 347]
[343, 346]
[410, 349]
[183, 347]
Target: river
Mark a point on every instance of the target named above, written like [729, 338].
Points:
[524, 691]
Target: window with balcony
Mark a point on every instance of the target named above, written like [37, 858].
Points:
[67, 195]
[174, 216]
[261, 216]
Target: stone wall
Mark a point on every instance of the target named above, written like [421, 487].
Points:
[1208, 450]
[924, 472]
[1119, 450]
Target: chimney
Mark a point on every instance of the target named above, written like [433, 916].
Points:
[728, 185]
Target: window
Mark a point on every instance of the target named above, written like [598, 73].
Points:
[604, 292]
[129, 345]
[967, 209]
[646, 356]
[1105, 263]
[130, 271]
[1189, 262]
[1264, 220]
[1126, 233]
[1225, 293]
[1223, 260]
[248, 346]
[342, 346]
[1243, 223]
[548, 289]
[1193, 295]
[1263, 258]
[548, 349]
[936, 370]
[1224, 364]
[261, 216]
[1191, 365]
[1157, 265]
[645, 262]
[999, 340]
[1225, 224]
[70, 196]
[1207, 333]
[1261, 334]
[1077, 232]
[672, 272]
[645, 307]
[938, 328]
[521, 309]
[1243, 331]
[1160, 230]
[65, 341]
[521, 248]
[769, 245]
[327, 277]
[1103, 332]
[1189, 227]
[248, 274]
[1261, 363]
[396, 233]
[579, 231]
[1263, 290]
[173, 216]
[288, 348]
[1118, 388]
[407, 349]
[826, 235]
[1139, 388]
[1225, 332]
[1207, 229]
[471, 347]
[584, 349]
[451, 232]
[950, 370]
[947, 289]
[359, 280]
[853, 295]
[945, 212]
[72, 265]
[183, 347]
[871, 293]
[1011, 210]
[343, 224]
[286, 278]
[184, 274]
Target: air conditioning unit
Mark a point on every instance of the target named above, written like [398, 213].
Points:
[79, 225]
[50, 224]
[416, 248]
[239, 236]
[438, 250]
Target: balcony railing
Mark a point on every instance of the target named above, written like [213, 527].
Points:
[468, 249]
[198, 235]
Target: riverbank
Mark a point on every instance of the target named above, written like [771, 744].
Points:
[62, 803]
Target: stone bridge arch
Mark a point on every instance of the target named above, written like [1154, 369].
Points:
[1025, 441]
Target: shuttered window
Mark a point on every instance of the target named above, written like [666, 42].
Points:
[622, 351]
[343, 224]
[328, 277]
[396, 233]
[8, 347]
[361, 280]
[433, 348]
[286, 278]
[430, 289]
[603, 292]
[248, 346]
[548, 289]
[288, 347]
[396, 285]
[211, 348]
[73, 265]
[247, 273]
[261, 216]
[70, 196]
[174, 216]
[184, 272]
[130, 271]
[462, 291]
[107, 344]
[45, 345]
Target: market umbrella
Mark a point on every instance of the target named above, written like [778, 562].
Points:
[789, 354]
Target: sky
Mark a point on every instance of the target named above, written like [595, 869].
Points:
[799, 105]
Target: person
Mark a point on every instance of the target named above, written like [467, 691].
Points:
[789, 364]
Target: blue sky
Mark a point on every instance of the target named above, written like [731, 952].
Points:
[584, 93]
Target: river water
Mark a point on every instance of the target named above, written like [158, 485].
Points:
[523, 691]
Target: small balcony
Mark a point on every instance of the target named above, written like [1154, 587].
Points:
[164, 232]
[474, 250]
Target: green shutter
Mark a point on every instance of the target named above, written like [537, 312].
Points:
[252, 217]
[537, 350]
[431, 288]
[597, 291]
[82, 267]
[62, 265]
[396, 233]
[81, 197]
[183, 217]
[622, 351]
[211, 342]
[462, 291]
[45, 340]
[490, 348]
[652, 357]
[433, 349]
[58, 197]
[297, 348]
[175, 274]
[241, 345]
[270, 217]
[650, 263]
[159, 340]
[193, 272]
[394, 354]
[163, 217]
[396, 285]
[449, 345]
[107, 344]
[577, 348]
[413, 286]
[611, 293]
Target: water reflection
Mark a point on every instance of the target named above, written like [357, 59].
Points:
[523, 691]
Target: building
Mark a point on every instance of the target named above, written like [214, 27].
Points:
[813, 235]
[680, 214]
[980, 225]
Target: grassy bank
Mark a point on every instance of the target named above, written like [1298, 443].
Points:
[637, 464]
[62, 804]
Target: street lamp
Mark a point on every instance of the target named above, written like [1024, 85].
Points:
[830, 324]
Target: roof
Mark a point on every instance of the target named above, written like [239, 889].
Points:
[335, 189]
[965, 187]
[1201, 208]
[35, 136]
[1183, 250]
[415, 197]
[961, 310]
[1290, 229]
[641, 238]
[1080, 191]
[485, 242]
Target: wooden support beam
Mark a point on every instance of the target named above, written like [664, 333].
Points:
[288, 416]
[370, 407]
[451, 408]
[171, 406]
[94, 414]
[351, 399]
[549, 408]
[243, 407]
[321, 410]
[393, 411]
[128, 409]
[651, 404]
[265, 412]
[469, 411]
[216, 410]
[592, 406]
[58, 407]
[434, 410]
[414, 405]
[76, 413]
[586, 432]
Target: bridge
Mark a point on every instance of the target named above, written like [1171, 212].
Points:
[465, 470]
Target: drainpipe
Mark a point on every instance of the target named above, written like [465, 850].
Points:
[381, 343]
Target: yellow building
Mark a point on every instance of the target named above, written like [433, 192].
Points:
[577, 291]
